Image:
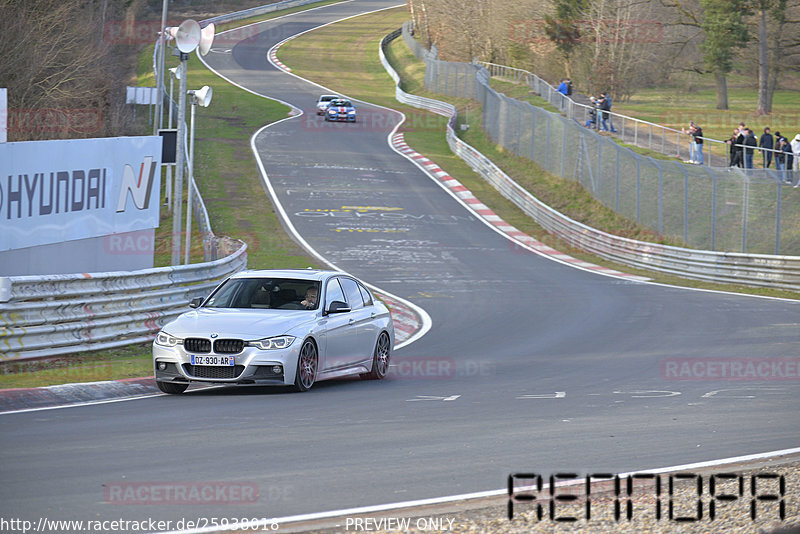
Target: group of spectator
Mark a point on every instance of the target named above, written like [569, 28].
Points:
[601, 108]
[743, 144]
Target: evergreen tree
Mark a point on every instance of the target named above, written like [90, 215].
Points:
[725, 31]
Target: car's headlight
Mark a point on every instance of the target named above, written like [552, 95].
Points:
[166, 340]
[352, 112]
[272, 343]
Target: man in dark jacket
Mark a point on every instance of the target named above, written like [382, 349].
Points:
[750, 142]
[737, 160]
[766, 142]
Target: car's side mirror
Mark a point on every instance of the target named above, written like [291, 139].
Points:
[337, 306]
[196, 302]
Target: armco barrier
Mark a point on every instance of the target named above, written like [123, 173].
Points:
[64, 313]
[781, 272]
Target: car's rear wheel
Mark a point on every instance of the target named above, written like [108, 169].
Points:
[380, 359]
[173, 388]
[306, 366]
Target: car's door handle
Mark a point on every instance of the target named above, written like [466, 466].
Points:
[351, 321]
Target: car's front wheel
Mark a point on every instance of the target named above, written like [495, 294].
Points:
[380, 359]
[173, 388]
[306, 366]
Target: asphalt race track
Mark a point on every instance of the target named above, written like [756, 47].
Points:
[530, 365]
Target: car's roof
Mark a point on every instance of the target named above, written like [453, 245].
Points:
[300, 274]
[328, 96]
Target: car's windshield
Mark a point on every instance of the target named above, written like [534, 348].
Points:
[345, 103]
[266, 293]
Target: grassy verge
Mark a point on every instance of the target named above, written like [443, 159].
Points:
[340, 47]
[237, 204]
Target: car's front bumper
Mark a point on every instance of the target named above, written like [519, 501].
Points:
[251, 366]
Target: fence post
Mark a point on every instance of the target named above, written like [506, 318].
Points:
[660, 198]
[638, 189]
[547, 144]
[713, 211]
[685, 202]
[563, 147]
[744, 215]
[616, 199]
[779, 185]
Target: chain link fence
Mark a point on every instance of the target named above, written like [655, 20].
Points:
[720, 209]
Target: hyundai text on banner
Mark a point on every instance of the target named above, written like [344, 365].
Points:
[63, 190]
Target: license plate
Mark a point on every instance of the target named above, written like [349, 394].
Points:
[220, 361]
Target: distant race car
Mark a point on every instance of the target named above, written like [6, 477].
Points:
[341, 110]
[323, 101]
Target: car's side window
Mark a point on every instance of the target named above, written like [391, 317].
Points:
[333, 291]
[366, 295]
[352, 292]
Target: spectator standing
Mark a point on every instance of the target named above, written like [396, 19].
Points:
[563, 88]
[750, 141]
[738, 157]
[796, 150]
[787, 150]
[766, 142]
[605, 116]
[780, 157]
[695, 143]
[569, 87]
[732, 148]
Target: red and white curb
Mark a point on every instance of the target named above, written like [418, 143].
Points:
[480, 209]
[273, 58]
[406, 320]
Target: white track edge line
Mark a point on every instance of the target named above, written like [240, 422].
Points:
[477, 495]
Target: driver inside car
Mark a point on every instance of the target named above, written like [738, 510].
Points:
[310, 302]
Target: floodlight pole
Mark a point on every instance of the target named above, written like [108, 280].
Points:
[160, 85]
[190, 193]
[169, 125]
[179, 163]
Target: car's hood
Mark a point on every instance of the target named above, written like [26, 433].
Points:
[240, 324]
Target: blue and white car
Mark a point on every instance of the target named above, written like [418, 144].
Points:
[340, 110]
[287, 327]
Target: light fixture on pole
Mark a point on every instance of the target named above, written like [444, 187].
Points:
[187, 37]
[200, 97]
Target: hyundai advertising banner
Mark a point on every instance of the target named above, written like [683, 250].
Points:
[64, 190]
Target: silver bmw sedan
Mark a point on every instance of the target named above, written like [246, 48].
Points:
[287, 327]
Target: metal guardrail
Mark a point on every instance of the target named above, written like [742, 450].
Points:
[774, 271]
[259, 10]
[64, 313]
